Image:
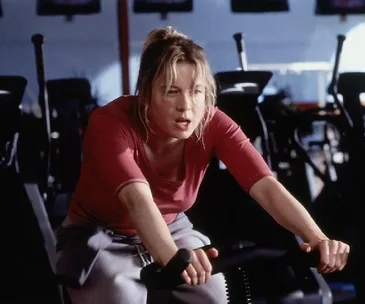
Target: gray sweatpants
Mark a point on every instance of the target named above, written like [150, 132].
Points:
[114, 276]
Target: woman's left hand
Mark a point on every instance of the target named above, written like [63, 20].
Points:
[333, 254]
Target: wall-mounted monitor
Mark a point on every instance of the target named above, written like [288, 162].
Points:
[68, 7]
[259, 6]
[163, 6]
[340, 7]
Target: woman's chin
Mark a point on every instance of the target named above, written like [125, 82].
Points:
[182, 134]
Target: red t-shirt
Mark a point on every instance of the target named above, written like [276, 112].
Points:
[114, 156]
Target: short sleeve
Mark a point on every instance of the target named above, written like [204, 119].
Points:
[109, 150]
[235, 150]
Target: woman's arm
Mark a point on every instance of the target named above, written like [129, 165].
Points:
[250, 170]
[286, 210]
[150, 225]
[252, 173]
[155, 235]
[290, 214]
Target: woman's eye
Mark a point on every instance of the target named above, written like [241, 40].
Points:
[171, 92]
[198, 91]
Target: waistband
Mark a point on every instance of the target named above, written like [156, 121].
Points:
[180, 221]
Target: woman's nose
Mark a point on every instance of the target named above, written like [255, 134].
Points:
[184, 103]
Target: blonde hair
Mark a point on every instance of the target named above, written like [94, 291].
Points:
[162, 50]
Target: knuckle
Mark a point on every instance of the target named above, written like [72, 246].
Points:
[198, 252]
[201, 270]
[324, 261]
[193, 275]
[209, 268]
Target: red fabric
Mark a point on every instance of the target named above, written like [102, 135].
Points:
[114, 156]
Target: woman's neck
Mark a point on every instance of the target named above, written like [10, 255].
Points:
[160, 144]
[159, 141]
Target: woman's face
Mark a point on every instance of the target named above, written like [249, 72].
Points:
[178, 112]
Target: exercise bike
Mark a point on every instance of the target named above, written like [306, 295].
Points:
[161, 280]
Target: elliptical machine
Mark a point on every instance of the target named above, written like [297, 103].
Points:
[338, 206]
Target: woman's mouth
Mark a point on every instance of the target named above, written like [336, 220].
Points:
[182, 123]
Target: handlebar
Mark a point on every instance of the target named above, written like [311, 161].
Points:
[38, 43]
[167, 277]
[241, 49]
[332, 88]
[340, 41]
[155, 276]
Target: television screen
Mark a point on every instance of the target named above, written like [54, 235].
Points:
[68, 7]
[259, 6]
[340, 7]
[162, 6]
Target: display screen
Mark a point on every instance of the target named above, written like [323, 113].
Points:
[340, 7]
[259, 6]
[160, 6]
[68, 7]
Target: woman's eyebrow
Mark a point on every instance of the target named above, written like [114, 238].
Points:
[199, 85]
[164, 86]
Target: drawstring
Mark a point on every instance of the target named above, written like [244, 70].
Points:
[143, 255]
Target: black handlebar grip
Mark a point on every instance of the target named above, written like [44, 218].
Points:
[333, 83]
[341, 38]
[158, 277]
[238, 38]
[38, 39]
[340, 41]
[332, 88]
[178, 263]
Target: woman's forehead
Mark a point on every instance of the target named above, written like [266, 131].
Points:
[181, 79]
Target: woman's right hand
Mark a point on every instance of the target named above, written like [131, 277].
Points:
[199, 270]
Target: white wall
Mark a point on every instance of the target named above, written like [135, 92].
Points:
[84, 47]
[88, 46]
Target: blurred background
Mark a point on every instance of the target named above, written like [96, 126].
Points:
[291, 73]
[88, 45]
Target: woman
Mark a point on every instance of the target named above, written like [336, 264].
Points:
[144, 159]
